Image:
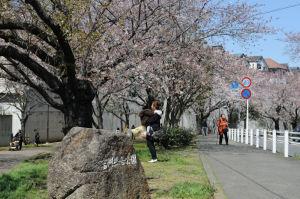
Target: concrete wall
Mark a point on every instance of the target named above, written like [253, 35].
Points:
[38, 120]
[5, 129]
[8, 109]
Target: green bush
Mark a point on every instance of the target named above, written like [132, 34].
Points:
[175, 136]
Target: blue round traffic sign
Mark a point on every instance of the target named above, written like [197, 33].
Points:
[246, 93]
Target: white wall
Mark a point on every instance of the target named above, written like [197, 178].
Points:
[7, 109]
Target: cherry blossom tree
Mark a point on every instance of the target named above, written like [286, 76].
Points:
[72, 48]
[292, 102]
[293, 44]
[270, 97]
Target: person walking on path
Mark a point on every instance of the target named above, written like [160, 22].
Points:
[36, 137]
[223, 129]
[153, 124]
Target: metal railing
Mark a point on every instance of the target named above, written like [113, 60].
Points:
[249, 137]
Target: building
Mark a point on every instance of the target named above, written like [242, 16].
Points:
[295, 69]
[273, 66]
[46, 119]
[253, 62]
[257, 62]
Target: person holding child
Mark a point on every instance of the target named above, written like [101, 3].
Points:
[153, 124]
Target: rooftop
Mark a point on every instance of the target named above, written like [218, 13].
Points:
[254, 58]
[274, 65]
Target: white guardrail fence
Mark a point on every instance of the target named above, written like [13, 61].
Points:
[275, 137]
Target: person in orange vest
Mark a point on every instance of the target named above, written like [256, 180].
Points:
[223, 128]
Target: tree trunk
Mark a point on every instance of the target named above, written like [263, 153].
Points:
[121, 122]
[99, 113]
[199, 124]
[167, 112]
[23, 125]
[285, 125]
[174, 122]
[150, 98]
[100, 121]
[78, 108]
[127, 114]
[295, 119]
[78, 114]
[276, 122]
[294, 124]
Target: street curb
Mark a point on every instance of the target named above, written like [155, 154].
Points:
[219, 194]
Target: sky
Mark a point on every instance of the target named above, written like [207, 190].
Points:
[270, 46]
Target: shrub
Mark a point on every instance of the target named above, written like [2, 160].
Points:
[175, 136]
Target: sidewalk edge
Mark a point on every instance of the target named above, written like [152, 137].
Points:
[219, 194]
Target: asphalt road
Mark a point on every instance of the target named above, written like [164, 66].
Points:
[249, 173]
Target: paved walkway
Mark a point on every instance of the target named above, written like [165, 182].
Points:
[249, 173]
[8, 159]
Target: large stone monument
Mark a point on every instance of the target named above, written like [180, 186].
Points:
[96, 164]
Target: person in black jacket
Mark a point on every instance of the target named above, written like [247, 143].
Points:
[153, 124]
[19, 136]
[36, 137]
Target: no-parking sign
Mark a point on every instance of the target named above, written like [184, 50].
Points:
[246, 93]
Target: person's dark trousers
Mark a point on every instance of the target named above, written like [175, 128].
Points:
[204, 131]
[20, 145]
[221, 138]
[226, 138]
[37, 142]
[150, 144]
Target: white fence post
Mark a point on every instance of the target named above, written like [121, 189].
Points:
[232, 133]
[251, 137]
[286, 143]
[247, 136]
[238, 135]
[257, 138]
[265, 139]
[274, 141]
[242, 135]
[235, 136]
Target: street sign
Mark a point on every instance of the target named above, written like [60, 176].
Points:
[234, 86]
[246, 93]
[246, 82]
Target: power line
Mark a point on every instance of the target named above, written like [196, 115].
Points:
[278, 9]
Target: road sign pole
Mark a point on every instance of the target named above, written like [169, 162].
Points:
[247, 117]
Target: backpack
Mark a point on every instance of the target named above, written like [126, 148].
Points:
[157, 134]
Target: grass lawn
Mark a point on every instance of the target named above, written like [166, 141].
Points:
[178, 174]
[26, 180]
[297, 157]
